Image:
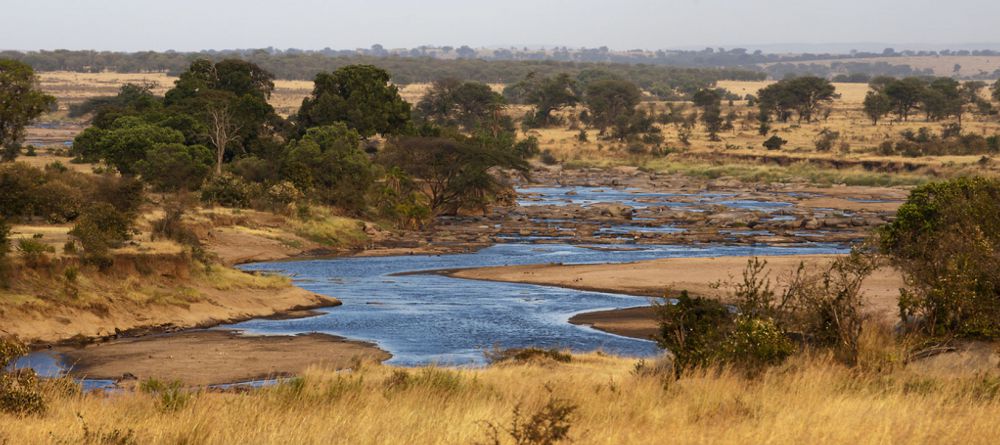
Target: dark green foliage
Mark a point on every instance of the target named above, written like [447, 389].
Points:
[547, 93]
[710, 102]
[877, 105]
[611, 103]
[173, 167]
[359, 96]
[58, 196]
[455, 103]
[694, 330]
[125, 144]
[775, 143]
[804, 96]
[230, 191]
[328, 164]
[946, 241]
[454, 172]
[21, 101]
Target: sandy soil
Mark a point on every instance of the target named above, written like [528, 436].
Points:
[659, 277]
[215, 357]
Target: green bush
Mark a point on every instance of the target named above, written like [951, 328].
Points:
[34, 251]
[229, 190]
[173, 167]
[757, 343]
[101, 228]
[694, 330]
[946, 241]
[775, 143]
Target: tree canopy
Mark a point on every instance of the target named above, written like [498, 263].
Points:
[360, 96]
[21, 101]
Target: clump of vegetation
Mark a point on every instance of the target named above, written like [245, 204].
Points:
[521, 355]
[774, 143]
[946, 241]
[823, 310]
[20, 393]
[101, 228]
[171, 395]
[547, 426]
[34, 251]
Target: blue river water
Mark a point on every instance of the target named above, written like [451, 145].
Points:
[430, 318]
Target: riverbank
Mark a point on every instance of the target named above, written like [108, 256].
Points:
[656, 278]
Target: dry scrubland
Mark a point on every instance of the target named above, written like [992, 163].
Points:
[602, 399]
[741, 155]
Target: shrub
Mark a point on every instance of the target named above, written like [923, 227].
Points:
[549, 425]
[171, 395]
[229, 191]
[101, 228]
[756, 343]
[946, 241]
[520, 355]
[694, 330]
[34, 251]
[19, 389]
[775, 143]
[171, 226]
[826, 139]
[548, 158]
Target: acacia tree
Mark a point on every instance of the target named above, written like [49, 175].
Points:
[451, 102]
[904, 95]
[710, 102]
[804, 96]
[612, 103]
[547, 94]
[360, 96]
[876, 106]
[21, 101]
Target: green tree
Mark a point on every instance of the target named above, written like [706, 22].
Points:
[454, 172]
[612, 103]
[804, 96]
[328, 163]
[946, 241]
[470, 105]
[548, 94]
[905, 95]
[126, 143]
[21, 101]
[174, 167]
[710, 102]
[360, 96]
[877, 105]
[943, 99]
[996, 90]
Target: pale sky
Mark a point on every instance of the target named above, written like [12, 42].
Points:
[187, 25]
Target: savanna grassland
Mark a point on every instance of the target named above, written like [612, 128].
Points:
[148, 236]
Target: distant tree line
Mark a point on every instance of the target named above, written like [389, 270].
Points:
[665, 80]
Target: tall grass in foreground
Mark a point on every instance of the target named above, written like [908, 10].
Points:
[603, 400]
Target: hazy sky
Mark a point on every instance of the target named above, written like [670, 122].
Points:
[620, 24]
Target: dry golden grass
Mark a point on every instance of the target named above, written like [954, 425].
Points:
[809, 400]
